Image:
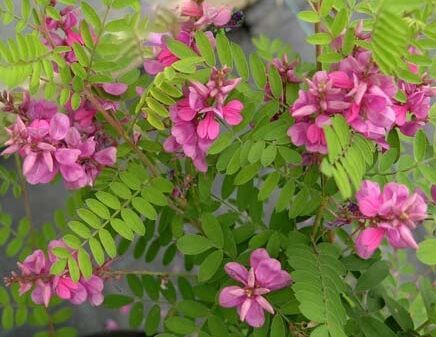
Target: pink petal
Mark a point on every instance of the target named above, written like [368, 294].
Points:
[369, 198]
[341, 80]
[305, 110]
[232, 112]
[107, 157]
[257, 256]
[153, 67]
[72, 172]
[67, 156]
[269, 274]
[255, 316]
[29, 162]
[59, 126]
[264, 304]
[368, 241]
[407, 237]
[208, 127]
[115, 89]
[237, 272]
[232, 296]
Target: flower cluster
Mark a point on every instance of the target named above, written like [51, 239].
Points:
[64, 32]
[35, 276]
[52, 142]
[195, 118]
[367, 99]
[392, 212]
[264, 276]
[196, 15]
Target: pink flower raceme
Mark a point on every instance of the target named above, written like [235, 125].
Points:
[417, 106]
[392, 213]
[264, 276]
[313, 108]
[196, 15]
[202, 14]
[371, 93]
[196, 117]
[50, 144]
[64, 32]
[35, 274]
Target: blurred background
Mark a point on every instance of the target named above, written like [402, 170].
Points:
[273, 18]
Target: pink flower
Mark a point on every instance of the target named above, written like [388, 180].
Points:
[392, 212]
[369, 198]
[264, 276]
[417, 106]
[368, 241]
[310, 134]
[195, 117]
[35, 273]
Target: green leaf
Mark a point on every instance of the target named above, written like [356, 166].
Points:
[399, 313]
[224, 50]
[180, 325]
[192, 309]
[98, 208]
[205, 48]
[268, 155]
[224, 141]
[73, 268]
[153, 320]
[58, 267]
[341, 20]
[193, 244]
[210, 265]
[85, 264]
[427, 252]
[80, 229]
[115, 301]
[269, 186]
[373, 276]
[330, 58]
[91, 16]
[319, 39]
[277, 327]
[372, 327]
[122, 229]
[136, 315]
[96, 250]
[8, 318]
[241, 63]
[133, 221]
[145, 208]
[135, 285]
[308, 16]
[212, 229]
[419, 145]
[108, 242]
[258, 71]
[256, 151]
[275, 82]
[246, 174]
[180, 49]
[89, 217]
[121, 190]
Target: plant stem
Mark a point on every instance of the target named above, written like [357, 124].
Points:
[318, 48]
[318, 218]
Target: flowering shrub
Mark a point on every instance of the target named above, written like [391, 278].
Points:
[272, 181]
